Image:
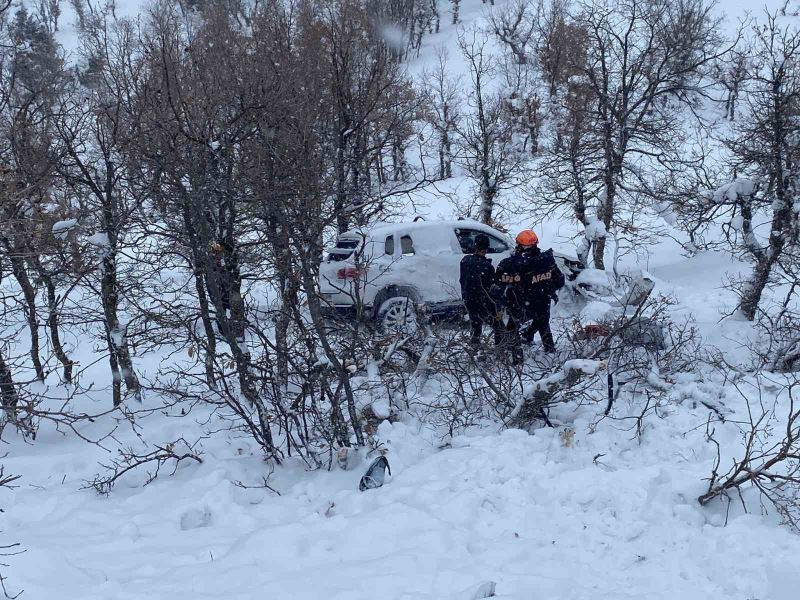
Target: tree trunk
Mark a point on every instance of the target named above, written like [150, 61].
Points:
[117, 340]
[598, 253]
[488, 194]
[208, 327]
[8, 392]
[53, 325]
[288, 298]
[29, 293]
[200, 283]
[605, 212]
[342, 218]
[782, 212]
[222, 281]
[116, 377]
[751, 294]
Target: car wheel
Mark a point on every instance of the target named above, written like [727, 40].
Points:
[397, 315]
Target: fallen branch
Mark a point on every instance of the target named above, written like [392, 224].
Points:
[177, 451]
[773, 467]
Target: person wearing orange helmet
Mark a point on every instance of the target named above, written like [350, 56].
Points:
[526, 283]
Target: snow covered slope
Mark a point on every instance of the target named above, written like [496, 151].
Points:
[605, 515]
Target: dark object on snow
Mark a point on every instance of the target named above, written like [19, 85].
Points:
[610, 380]
[375, 475]
[484, 590]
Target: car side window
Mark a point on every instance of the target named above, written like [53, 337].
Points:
[496, 246]
[388, 245]
[407, 245]
[466, 239]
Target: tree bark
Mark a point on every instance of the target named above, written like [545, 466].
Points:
[29, 293]
[781, 224]
[488, 194]
[53, 324]
[115, 335]
[8, 391]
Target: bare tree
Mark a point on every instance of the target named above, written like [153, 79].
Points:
[49, 13]
[770, 458]
[444, 114]
[732, 73]
[93, 136]
[129, 460]
[561, 47]
[645, 60]
[514, 25]
[488, 149]
[766, 156]
[373, 103]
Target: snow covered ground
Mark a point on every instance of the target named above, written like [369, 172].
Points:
[606, 514]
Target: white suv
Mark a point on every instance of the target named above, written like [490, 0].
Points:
[384, 269]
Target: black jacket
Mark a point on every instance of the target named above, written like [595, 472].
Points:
[477, 277]
[527, 281]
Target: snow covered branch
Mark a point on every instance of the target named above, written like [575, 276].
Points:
[770, 459]
[129, 460]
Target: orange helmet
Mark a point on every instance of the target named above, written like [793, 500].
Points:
[527, 238]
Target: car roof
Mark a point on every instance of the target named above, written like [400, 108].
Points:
[384, 228]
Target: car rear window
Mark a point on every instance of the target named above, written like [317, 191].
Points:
[344, 249]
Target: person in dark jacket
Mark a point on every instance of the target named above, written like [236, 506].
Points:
[477, 278]
[527, 282]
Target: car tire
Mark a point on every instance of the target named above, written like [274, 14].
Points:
[398, 315]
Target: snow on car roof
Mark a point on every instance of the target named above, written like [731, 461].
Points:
[384, 228]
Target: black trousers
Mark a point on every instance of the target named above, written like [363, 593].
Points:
[480, 314]
[539, 323]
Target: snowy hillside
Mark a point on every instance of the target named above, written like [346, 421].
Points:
[590, 494]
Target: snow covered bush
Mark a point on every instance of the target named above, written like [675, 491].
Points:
[637, 355]
[768, 462]
[6, 483]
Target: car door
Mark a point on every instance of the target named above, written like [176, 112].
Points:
[499, 248]
[382, 266]
[411, 264]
